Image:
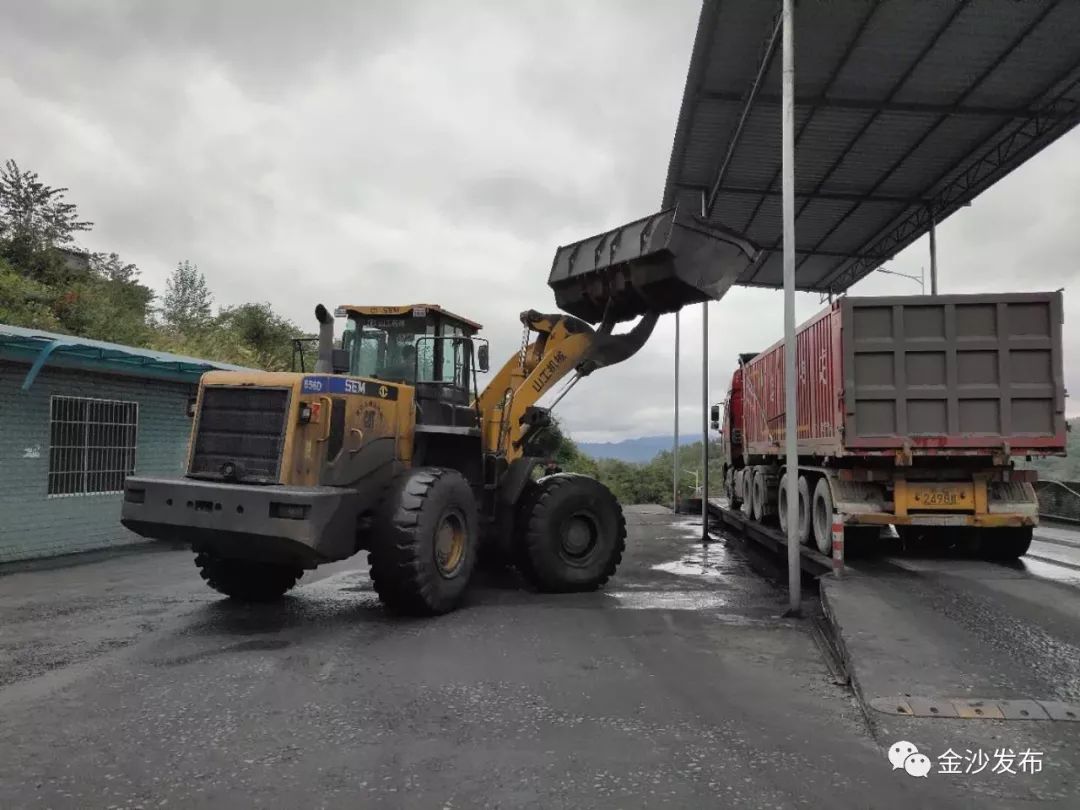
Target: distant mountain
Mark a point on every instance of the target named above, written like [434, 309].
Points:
[637, 450]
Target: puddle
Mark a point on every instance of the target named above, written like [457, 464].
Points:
[712, 562]
[669, 600]
[685, 528]
[1048, 570]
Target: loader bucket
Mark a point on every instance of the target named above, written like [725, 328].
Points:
[657, 264]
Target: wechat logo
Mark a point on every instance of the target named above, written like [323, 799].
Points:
[905, 755]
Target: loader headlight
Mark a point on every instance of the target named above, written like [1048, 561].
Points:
[289, 511]
[191, 407]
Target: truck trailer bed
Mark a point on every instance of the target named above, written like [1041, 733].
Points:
[949, 374]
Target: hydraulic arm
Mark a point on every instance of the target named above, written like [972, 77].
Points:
[562, 344]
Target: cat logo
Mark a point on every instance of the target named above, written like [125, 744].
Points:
[383, 391]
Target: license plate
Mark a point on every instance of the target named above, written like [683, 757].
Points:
[941, 496]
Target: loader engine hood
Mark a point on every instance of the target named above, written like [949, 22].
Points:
[288, 428]
[658, 264]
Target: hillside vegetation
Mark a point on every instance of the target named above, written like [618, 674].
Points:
[1062, 469]
[650, 482]
[647, 482]
[638, 450]
[48, 282]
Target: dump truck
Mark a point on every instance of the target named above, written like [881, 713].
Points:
[390, 446]
[912, 412]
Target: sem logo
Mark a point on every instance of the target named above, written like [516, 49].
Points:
[355, 387]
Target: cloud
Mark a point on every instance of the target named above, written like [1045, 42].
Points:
[386, 152]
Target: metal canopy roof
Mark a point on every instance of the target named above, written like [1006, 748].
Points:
[37, 347]
[903, 110]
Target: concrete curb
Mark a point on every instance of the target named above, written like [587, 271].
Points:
[825, 584]
[86, 557]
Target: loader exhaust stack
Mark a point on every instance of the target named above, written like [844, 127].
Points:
[325, 363]
[659, 264]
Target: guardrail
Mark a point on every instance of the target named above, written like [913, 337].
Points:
[1059, 500]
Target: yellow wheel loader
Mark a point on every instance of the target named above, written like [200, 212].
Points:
[389, 446]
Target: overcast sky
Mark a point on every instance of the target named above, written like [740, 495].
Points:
[392, 152]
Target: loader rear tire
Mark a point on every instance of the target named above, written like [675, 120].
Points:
[573, 534]
[246, 580]
[425, 546]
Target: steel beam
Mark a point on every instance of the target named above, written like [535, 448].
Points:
[933, 254]
[971, 88]
[896, 87]
[837, 69]
[733, 142]
[837, 196]
[977, 177]
[825, 102]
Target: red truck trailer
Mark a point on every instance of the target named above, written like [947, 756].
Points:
[910, 411]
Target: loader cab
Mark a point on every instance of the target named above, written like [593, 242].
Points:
[424, 346]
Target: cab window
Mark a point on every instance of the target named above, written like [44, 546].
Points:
[386, 348]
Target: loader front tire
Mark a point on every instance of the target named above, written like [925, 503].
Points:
[573, 534]
[425, 543]
[247, 580]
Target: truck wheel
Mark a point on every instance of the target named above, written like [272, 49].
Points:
[822, 516]
[246, 580]
[733, 492]
[746, 491]
[802, 526]
[804, 511]
[1006, 543]
[573, 534]
[781, 503]
[424, 550]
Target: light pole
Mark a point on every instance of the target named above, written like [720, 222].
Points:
[675, 440]
[920, 279]
[787, 163]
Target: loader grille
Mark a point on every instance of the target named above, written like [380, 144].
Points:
[240, 430]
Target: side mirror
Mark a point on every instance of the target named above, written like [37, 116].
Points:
[714, 417]
[340, 361]
[482, 358]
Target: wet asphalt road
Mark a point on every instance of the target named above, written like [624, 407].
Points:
[126, 683]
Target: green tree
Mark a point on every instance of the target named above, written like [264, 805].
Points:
[1061, 468]
[113, 268]
[553, 443]
[267, 335]
[186, 305]
[650, 482]
[25, 302]
[34, 216]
